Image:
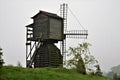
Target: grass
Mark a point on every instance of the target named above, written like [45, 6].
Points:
[19, 73]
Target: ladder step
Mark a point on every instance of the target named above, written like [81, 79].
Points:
[28, 43]
[29, 33]
[29, 30]
[29, 39]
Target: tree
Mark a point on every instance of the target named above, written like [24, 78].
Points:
[81, 59]
[1, 64]
[98, 70]
[1, 60]
[76, 61]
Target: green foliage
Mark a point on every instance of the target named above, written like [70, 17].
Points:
[19, 73]
[1, 60]
[1, 65]
[98, 70]
[76, 61]
[82, 60]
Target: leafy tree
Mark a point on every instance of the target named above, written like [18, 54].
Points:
[1, 64]
[98, 70]
[82, 60]
[1, 60]
[76, 61]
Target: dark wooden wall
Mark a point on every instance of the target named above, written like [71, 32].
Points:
[48, 55]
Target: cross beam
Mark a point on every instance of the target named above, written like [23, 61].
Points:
[77, 34]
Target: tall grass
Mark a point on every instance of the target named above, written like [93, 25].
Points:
[18, 73]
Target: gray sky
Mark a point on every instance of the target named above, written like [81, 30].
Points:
[100, 17]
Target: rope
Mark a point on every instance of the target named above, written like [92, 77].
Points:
[76, 18]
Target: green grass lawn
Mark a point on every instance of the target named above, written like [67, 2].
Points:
[18, 73]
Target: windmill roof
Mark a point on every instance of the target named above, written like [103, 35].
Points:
[48, 14]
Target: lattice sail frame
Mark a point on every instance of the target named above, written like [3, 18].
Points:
[76, 34]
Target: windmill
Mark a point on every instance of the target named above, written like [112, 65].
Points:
[46, 30]
[75, 34]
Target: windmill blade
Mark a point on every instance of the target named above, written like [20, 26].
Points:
[82, 34]
[63, 14]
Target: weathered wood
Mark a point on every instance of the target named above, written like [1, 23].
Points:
[49, 25]
[47, 29]
[48, 55]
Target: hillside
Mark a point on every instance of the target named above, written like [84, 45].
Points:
[17, 73]
[116, 69]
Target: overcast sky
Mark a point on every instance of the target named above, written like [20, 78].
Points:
[100, 17]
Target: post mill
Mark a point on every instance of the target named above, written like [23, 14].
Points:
[46, 30]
